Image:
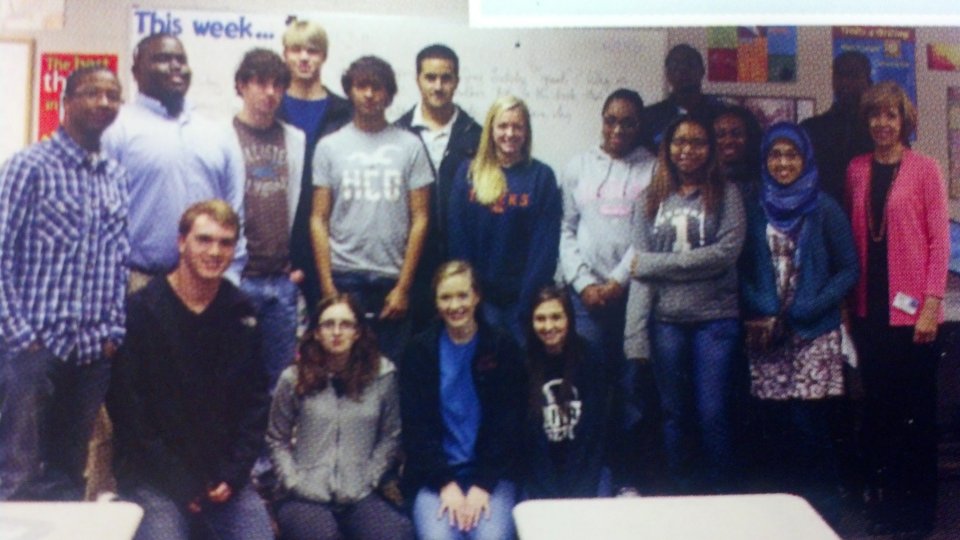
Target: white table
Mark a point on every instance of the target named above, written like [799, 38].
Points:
[734, 517]
[69, 520]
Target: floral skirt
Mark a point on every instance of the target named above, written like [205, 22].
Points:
[798, 368]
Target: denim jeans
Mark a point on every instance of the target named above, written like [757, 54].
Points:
[498, 527]
[243, 517]
[274, 300]
[694, 365]
[46, 418]
[370, 292]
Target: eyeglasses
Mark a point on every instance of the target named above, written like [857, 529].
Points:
[93, 94]
[680, 142]
[344, 325]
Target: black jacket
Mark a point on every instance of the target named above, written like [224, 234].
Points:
[188, 398]
[500, 380]
[339, 113]
[464, 139]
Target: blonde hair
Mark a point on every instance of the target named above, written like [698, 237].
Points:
[452, 268]
[486, 174]
[309, 33]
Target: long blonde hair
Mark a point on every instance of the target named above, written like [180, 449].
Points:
[486, 175]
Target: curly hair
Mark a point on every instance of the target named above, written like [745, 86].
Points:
[313, 368]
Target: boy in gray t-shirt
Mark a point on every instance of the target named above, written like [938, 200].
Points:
[370, 205]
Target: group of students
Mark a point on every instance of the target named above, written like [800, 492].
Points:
[672, 264]
[577, 330]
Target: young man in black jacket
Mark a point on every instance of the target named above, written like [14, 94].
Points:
[450, 137]
[189, 394]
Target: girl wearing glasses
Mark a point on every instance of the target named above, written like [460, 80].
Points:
[690, 231]
[334, 432]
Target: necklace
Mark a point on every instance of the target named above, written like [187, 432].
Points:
[877, 234]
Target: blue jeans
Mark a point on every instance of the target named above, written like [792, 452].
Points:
[498, 527]
[46, 418]
[370, 292]
[694, 365]
[243, 517]
[274, 300]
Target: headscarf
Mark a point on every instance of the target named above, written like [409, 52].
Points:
[786, 206]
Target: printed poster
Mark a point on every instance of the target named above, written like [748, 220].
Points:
[54, 70]
[891, 50]
[752, 54]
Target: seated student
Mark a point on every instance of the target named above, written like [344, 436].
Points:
[566, 410]
[462, 389]
[334, 432]
[188, 395]
[505, 209]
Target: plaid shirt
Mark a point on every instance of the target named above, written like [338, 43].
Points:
[63, 250]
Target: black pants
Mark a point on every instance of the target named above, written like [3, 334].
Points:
[900, 429]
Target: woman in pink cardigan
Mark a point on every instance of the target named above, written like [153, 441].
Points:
[898, 209]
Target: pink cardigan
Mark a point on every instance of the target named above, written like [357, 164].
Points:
[918, 237]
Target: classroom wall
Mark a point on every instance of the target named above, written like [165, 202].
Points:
[100, 26]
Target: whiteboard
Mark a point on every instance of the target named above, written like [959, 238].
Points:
[563, 74]
[16, 70]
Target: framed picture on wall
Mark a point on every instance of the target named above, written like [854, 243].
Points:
[16, 71]
[772, 109]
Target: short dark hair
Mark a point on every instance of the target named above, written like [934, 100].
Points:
[367, 68]
[858, 58]
[74, 79]
[262, 64]
[142, 44]
[630, 96]
[439, 51]
[681, 49]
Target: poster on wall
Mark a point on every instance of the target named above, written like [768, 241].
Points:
[953, 139]
[752, 54]
[54, 70]
[772, 109]
[891, 52]
[943, 56]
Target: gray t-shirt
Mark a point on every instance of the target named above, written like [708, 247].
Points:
[370, 176]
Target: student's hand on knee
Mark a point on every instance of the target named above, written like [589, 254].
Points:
[477, 505]
[451, 503]
[220, 493]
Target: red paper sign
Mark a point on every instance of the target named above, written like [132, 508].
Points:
[54, 70]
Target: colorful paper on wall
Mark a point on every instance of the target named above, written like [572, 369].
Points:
[54, 70]
[757, 54]
[943, 56]
[772, 109]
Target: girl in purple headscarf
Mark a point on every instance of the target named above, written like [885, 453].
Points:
[798, 264]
